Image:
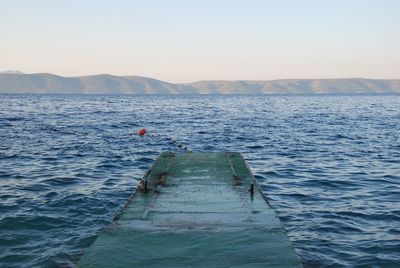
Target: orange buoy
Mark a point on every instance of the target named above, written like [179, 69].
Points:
[141, 131]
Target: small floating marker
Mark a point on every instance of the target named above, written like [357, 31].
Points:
[141, 132]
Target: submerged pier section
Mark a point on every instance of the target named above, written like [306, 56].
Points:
[195, 210]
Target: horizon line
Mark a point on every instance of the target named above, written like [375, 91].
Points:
[17, 72]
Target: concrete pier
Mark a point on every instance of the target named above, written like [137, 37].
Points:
[195, 210]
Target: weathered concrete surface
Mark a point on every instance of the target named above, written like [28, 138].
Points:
[197, 212]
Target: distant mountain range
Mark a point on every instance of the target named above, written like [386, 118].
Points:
[43, 83]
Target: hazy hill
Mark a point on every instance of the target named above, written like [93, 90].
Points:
[300, 86]
[16, 82]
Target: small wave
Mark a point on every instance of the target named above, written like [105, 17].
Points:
[59, 181]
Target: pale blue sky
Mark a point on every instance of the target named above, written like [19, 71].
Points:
[184, 40]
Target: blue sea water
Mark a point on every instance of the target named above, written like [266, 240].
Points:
[330, 166]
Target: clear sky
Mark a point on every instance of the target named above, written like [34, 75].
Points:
[189, 40]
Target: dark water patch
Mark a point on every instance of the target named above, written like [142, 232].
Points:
[12, 119]
[60, 181]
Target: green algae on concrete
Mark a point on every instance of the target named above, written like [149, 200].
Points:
[197, 210]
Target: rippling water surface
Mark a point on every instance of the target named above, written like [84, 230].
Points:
[330, 166]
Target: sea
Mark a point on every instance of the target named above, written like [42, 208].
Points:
[328, 164]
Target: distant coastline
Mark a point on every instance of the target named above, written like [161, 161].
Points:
[44, 83]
